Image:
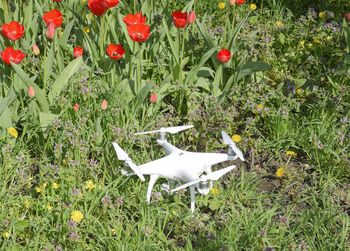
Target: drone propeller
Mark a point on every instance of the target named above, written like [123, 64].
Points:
[172, 130]
[122, 155]
[228, 141]
[211, 176]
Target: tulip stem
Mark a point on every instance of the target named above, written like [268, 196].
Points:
[139, 70]
[182, 53]
[102, 36]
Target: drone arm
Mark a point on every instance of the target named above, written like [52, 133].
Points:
[152, 181]
[168, 148]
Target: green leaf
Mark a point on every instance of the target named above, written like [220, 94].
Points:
[98, 129]
[282, 38]
[250, 68]
[48, 64]
[39, 94]
[5, 115]
[170, 40]
[22, 224]
[64, 38]
[346, 29]
[62, 79]
[46, 119]
[141, 96]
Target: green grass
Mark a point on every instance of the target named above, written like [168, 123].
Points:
[284, 89]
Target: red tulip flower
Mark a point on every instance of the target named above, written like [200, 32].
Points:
[76, 107]
[78, 51]
[115, 51]
[347, 17]
[153, 98]
[179, 19]
[13, 30]
[224, 56]
[134, 19]
[10, 55]
[239, 2]
[54, 17]
[139, 32]
[112, 3]
[98, 7]
[191, 17]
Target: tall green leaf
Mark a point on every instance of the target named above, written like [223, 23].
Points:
[250, 68]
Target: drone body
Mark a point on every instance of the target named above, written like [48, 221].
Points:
[186, 168]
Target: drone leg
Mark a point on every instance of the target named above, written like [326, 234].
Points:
[192, 191]
[208, 171]
[152, 180]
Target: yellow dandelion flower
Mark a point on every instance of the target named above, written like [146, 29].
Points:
[298, 91]
[113, 231]
[45, 183]
[259, 107]
[214, 191]
[328, 37]
[55, 185]
[86, 29]
[236, 138]
[222, 5]
[302, 43]
[310, 45]
[12, 131]
[6, 234]
[291, 154]
[27, 203]
[280, 172]
[89, 185]
[279, 24]
[49, 207]
[322, 14]
[316, 41]
[77, 216]
[39, 189]
[252, 6]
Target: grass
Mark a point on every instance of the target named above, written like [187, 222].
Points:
[284, 89]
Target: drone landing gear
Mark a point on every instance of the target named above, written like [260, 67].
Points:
[152, 181]
[192, 191]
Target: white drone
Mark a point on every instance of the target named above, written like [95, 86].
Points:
[190, 169]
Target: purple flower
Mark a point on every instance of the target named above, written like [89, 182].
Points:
[74, 235]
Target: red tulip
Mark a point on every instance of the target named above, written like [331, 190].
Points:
[179, 19]
[115, 51]
[13, 30]
[191, 17]
[104, 105]
[10, 55]
[31, 92]
[78, 51]
[347, 17]
[76, 107]
[50, 31]
[112, 3]
[239, 2]
[134, 19]
[54, 17]
[98, 7]
[139, 32]
[224, 56]
[153, 98]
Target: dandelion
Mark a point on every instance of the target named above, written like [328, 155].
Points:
[27, 203]
[291, 154]
[252, 6]
[86, 29]
[55, 185]
[322, 14]
[49, 207]
[39, 189]
[316, 41]
[280, 172]
[279, 24]
[302, 43]
[214, 191]
[6, 234]
[12, 131]
[298, 91]
[259, 107]
[236, 138]
[77, 216]
[89, 185]
[222, 5]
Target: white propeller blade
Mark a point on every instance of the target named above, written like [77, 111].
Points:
[228, 141]
[122, 155]
[172, 130]
[211, 176]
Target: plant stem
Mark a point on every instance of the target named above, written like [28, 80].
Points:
[182, 53]
[139, 70]
[102, 36]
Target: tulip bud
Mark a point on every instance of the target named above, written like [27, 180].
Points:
[76, 107]
[36, 50]
[50, 31]
[31, 92]
[232, 2]
[191, 17]
[104, 105]
[153, 98]
[347, 17]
